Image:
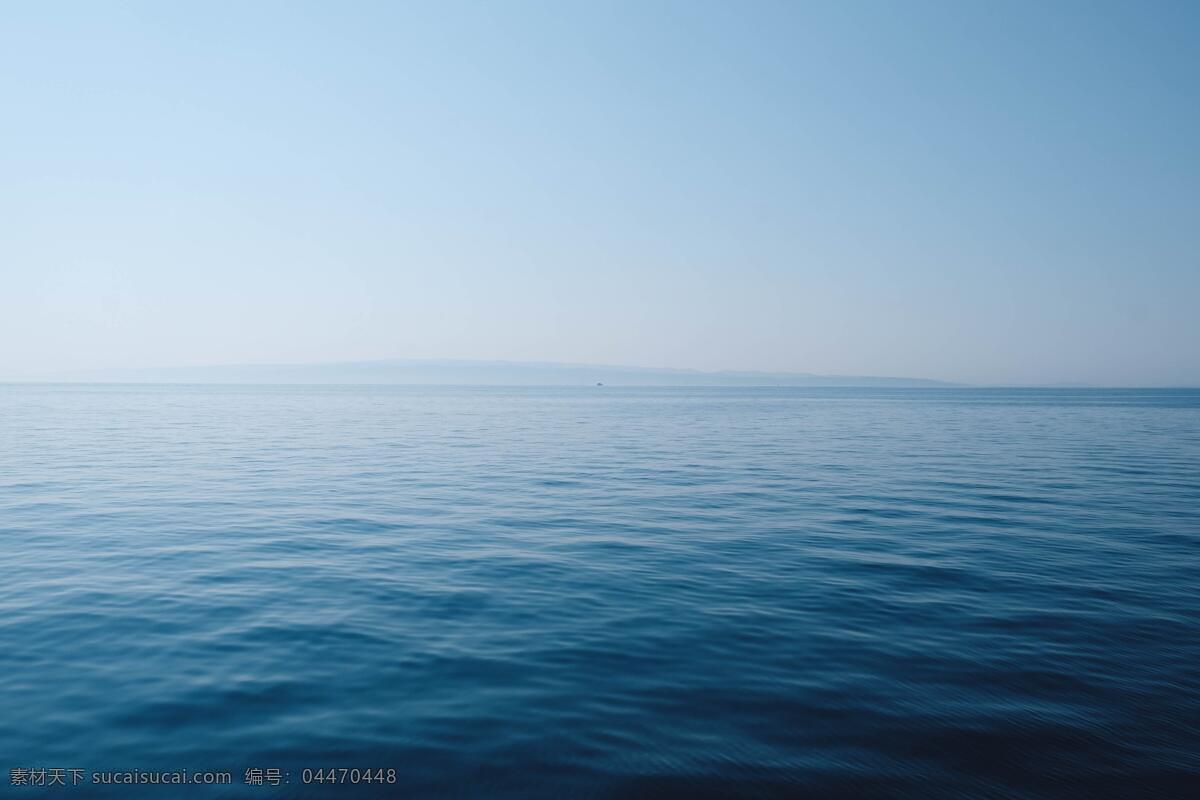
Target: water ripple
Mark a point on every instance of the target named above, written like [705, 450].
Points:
[616, 593]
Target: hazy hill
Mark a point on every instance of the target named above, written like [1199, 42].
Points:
[486, 373]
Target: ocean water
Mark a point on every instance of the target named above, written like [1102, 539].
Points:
[602, 592]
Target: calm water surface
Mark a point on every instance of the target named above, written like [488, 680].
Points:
[604, 592]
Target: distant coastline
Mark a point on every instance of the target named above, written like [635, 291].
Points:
[450, 372]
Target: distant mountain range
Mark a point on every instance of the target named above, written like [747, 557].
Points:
[478, 373]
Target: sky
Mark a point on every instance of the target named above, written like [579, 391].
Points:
[993, 193]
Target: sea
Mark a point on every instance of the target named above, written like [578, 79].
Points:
[598, 592]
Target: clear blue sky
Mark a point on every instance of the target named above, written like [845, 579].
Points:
[993, 192]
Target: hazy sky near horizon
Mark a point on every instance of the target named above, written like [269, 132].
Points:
[971, 191]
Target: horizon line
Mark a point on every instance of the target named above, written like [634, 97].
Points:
[753, 378]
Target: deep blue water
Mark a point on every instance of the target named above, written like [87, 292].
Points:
[604, 592]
